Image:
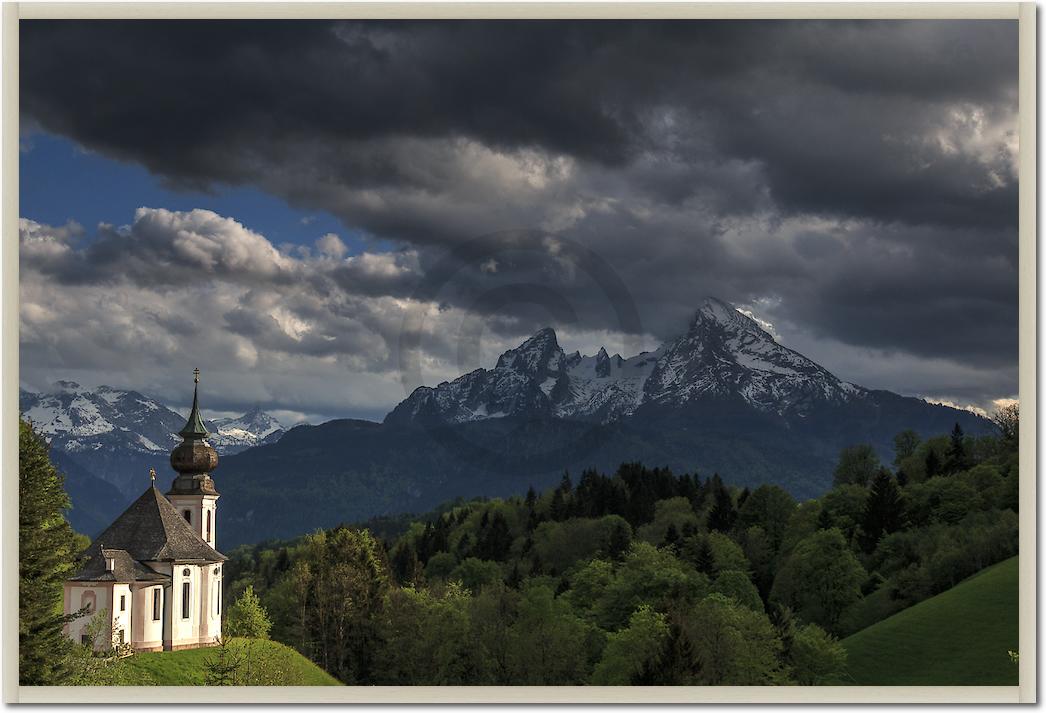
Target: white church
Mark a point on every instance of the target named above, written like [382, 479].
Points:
[154, 574]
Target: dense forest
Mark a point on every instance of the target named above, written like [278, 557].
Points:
[643, 576]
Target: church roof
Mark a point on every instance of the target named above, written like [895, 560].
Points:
[125, 568]
[152, 530]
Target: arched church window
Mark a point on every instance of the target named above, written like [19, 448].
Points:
[208, 538]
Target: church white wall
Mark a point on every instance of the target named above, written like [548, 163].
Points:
[210, 616]
[185, 630]
[122, 606]
[146, 632]
[199, 507]
[74, 596]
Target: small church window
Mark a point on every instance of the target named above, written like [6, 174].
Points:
[85, 639]
[185, 572]
[185, 600]
[123, 602]
[120, 636]
[187, 514]
[157, 593]
[208, 538]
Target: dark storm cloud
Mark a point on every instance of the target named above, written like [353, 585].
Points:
[832, 110]
[855, 178]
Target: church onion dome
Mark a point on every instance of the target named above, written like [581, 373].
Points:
[194, 458]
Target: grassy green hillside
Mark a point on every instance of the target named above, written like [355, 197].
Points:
[273, 663]
[959, 637]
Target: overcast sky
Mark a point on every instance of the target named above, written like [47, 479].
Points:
[286, 204]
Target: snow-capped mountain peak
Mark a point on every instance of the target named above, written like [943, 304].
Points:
[76, 418]
[723, 354]
[250, 429]
[537, 355]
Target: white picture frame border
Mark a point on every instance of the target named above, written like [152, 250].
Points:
[1023, 13]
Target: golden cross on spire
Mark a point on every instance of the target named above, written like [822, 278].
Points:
[152, 474]
[196, 376]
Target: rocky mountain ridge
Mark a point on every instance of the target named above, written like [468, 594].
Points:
[723, 353]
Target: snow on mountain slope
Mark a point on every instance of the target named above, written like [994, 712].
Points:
[250, 429]
[77, 419]
[723, 354]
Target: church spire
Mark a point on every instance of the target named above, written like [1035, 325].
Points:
[194, 427]
[194, 458]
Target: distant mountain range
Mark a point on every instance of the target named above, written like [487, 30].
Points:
[105, 440]
[722, 397]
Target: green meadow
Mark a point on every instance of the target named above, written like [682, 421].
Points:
[958, 638]
[282, 665]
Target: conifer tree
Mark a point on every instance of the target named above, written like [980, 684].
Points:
[558, 508]
[47, 556]
[883, 511]
[955, 458]
[222, 666]
[824, 519]
[723, 513]
[704, 558]
[532, 498]
[671, 537]
[933, 464]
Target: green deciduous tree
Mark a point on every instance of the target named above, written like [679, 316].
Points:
[769, 507]
[345, 596]
[731, 645]
[1007, 420]
[647, 576]
[632, 650]
[425, 638]
[904, 445]
[820, 579]
[247, 617]
[816, 657]
[738, 587]
[474, 574]
[857, 465]
[547, 641]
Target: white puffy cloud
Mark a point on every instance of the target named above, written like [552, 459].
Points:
[331, 246]
[140, 306]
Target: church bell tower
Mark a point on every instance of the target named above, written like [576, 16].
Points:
[193, 493]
